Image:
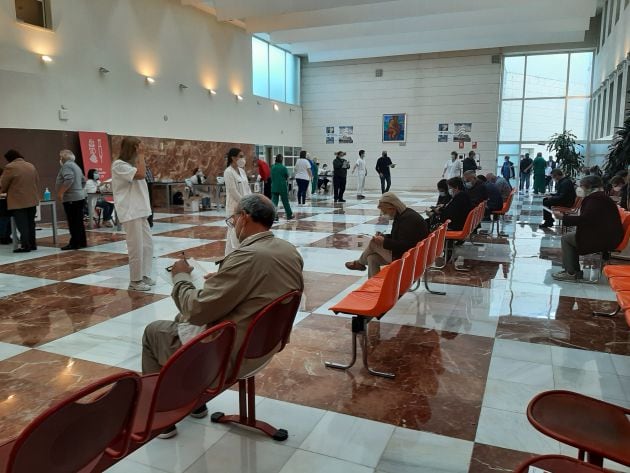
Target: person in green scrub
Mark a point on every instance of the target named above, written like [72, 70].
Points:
[539, 174]
[279, 186]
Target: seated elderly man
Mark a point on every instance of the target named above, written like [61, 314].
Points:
[564, 197]
[475, 189]
[598, 228]
[502, 184]
[259, 271]
[407, 230]
[495, 199]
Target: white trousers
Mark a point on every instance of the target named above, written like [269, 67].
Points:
[360, 184]
[139, 248]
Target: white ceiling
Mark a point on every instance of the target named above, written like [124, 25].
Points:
[328, 30]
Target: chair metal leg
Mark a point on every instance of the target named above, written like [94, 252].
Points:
[426, 285]
[364, 348]
[247, 414]
[339, 366]
[416, 285]
[607, 314]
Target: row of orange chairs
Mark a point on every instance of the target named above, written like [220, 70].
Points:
[475, 216]
[96, 427]
[379, 294]
[498, 216]
[619, 281]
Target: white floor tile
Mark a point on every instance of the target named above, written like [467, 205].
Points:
[507, 396]
[300, 238]
[128, 466]
[161, 245]
[7, 350]
[622, 364]
[589, 383]
[309, 462]
[523, 351]
[582, 359]
[13, 283]
[525, 372]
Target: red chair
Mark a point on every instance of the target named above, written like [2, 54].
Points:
[374, 284]
[596, 428]
[267, 335]
[559, 464]
[498, 216]
[432, 244]
[421, 261]
[194, 372]
[366, 305]
[73, 435]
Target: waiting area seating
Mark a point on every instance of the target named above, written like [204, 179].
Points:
[498, 216]
[109, 419]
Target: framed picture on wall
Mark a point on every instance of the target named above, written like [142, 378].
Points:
[394, 128]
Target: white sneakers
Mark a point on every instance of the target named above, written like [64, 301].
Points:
[143, 285]
[148, 280]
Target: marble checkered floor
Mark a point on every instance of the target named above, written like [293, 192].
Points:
[466, 363]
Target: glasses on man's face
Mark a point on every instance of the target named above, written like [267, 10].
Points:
[231, 220]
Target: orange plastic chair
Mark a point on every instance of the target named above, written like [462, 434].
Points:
[559, 464]
[617, 270]
[596, 428]
[364, 306]
[499, 215]
[421, 261]
[375, 283]
[441, 244]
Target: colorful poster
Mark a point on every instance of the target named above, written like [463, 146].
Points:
[96, 153]
[461, 132]
[395, 128]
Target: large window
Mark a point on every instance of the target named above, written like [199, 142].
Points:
[275, 72]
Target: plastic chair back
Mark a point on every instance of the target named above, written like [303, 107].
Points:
[625, 222]
[74, 434]
[421, 258]
[431, 244]
[406, 276]
[195, 369]
[441, 239]
[390, 289]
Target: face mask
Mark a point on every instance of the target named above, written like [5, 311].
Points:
[60, 162]
[580, 192]
[442, 193]
[96, 176]
[451, 192]
[468, 185]
[241, 162]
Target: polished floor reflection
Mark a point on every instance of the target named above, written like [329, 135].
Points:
[466, 364]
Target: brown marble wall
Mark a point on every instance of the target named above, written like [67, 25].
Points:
[176, 159]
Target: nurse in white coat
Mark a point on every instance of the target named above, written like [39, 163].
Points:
[236, 187]
[361, 171]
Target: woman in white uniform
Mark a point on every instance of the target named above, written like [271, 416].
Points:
[361, 170]
[236, 187]
[131, 197]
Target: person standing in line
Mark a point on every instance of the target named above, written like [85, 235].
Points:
[302, 177]
[470, 164]
[280, 187]
[526, 168]
[452, 168]
[236, 187]
[315, 172]
[551, 165]
[131, 198]
[20, 181]
[507, 170]
[383, 165]
[361, 171]
[340, 174]
[539, 174]
[70, 186]
[265, 175]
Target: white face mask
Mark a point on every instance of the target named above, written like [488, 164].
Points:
[451, 192]
[442, 193]
[240, 162]
[61, 162]
[96, 176]
[580, 192]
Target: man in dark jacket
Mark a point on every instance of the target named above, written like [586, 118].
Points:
[475, 189]
[383, 165]
[525, 168]
[407, 230]
[458, 208]
[340, 175]
[598, 228]
[470, 164]
[564, 196]
[495, 199]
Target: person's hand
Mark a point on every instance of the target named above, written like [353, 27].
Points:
[59, 196]
[380, 174]
[378, 239]
[209, 275]
[558, 215]
[181, 266]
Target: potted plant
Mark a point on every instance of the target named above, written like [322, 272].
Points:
[618, 157]
[568, 153]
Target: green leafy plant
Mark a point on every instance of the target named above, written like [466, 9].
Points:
[568, 152]
[618, 157]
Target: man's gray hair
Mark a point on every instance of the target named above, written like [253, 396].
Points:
[67, 155]
[470, 173]
[592, 182]
[259, 208]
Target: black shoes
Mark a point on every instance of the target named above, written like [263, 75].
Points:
[21, 250]
[545, 225]
[200, 412]
[69, 247]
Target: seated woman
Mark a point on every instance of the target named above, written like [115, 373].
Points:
[443, 198]
[322, 178]
[458, 208]
[619, 191]
[92, 186]
[198, 178]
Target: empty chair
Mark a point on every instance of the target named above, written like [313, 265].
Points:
[73, 435]
[558, 464]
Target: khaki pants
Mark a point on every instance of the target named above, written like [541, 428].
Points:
[375, 256]
[159, 342]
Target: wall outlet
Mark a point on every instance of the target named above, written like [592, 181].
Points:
[64, 114]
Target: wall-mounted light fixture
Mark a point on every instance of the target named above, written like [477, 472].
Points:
[182, 86]
[150, 80]
[47, 59]
[103, 70]
[212, 92]
[275, 107]
[238, 97]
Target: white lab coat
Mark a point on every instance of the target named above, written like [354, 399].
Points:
[236, 187]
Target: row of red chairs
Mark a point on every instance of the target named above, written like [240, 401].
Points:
[94, 428]
[475, 216]
[498, 216]
[619, 281]
[379, 294]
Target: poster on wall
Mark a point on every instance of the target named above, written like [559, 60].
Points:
[96, 153]
[442, 127]
[461, 132]
[394, 128]
[442, 138]
[330, 140]
[345, 134]
[330, 135]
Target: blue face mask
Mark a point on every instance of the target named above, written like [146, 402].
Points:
[442, 193]
[451, 192]
[96, 176]
[468, 185]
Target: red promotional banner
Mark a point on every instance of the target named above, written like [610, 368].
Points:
[474, 145]
[96, 153]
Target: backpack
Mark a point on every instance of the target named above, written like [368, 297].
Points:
[178, 198]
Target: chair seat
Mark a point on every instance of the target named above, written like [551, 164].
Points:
[559, 464]
[620, 284]
[5, 450]
[382, 273]
[617, 270]
[627, 314]
[456, 235]
[583, 422]
[360, 303]
[372, 285]
[623, 299]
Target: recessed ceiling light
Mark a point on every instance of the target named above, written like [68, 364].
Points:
[212, 92]
[46, 59]
[238, 97]
[275, 107]
[150, 80]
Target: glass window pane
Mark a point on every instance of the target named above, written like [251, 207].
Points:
[509, 149]
[510, 120]
[260, 68]
[620, 101]
[577, 117]
[542, 118]
[602, 113]
[513, 77]
[580, 73]
[546, 75]
[292, 78]
[276, 74]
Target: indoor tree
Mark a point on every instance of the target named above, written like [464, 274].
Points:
[568, 152]
[618, 157]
